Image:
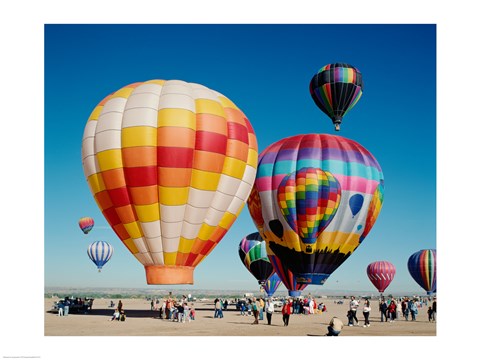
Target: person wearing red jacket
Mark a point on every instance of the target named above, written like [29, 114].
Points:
[392, 310]
[287, 309]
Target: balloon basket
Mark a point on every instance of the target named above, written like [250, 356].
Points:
[169, 274]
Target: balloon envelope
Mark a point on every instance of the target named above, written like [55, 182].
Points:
[356, 171]
[272, 283]
[253, 253]
[100, 252]
[170, 164]
[286, 276]
[86, 224]
[381, 274]
[336, 88]
[422, 266]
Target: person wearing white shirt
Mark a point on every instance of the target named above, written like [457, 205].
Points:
[353, 310]
[366, 312]
[270, 310]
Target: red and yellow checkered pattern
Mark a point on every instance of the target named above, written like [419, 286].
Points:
[170, 165]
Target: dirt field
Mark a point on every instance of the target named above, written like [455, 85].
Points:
[141, 321]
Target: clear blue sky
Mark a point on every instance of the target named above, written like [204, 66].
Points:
[265, 70]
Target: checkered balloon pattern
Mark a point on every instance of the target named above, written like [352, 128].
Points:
[309, 199]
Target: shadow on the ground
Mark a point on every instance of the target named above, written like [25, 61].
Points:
[135, 313]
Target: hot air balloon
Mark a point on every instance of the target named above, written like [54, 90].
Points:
[381, 274]
[423, 268]
[253, 254]
[286, 276]
[170, 164]
[349, 169]
[100, 252]
[336, 88]
[86, 224]
[272, 284]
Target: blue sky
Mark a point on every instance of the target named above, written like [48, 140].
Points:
[265, 70]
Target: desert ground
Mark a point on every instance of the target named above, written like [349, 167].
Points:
[141, 321]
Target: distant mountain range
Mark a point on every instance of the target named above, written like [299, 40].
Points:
[198, 293]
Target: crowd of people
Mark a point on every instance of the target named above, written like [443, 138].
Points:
[258, 307]
[174, 310]
[390, 309]
[64, 306]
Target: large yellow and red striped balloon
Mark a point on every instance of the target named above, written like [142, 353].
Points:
[170, 165]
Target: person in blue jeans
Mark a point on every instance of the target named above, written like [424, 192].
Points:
[413, 309]
[242, 309]
[67, 307]
[217, 305]
[335, 327]
[383, 310]
[262, 305]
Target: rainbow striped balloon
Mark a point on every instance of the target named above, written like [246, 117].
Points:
[422, 266]
[336, 88]
[381, 274]
[358, 174]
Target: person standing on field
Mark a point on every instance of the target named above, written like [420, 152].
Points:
[270, 309]
[353, 310]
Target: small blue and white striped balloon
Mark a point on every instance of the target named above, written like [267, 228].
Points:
[100, 252]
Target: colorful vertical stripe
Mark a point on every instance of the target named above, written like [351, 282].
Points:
[286, 276]
[272, 284]
[336, 88]
[422, 266]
